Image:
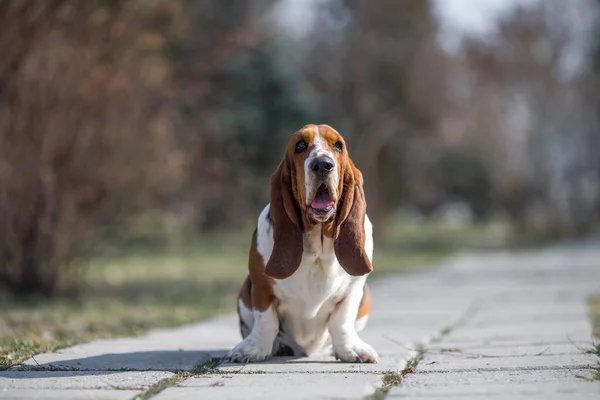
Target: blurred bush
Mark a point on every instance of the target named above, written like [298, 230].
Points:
[113, 109]
[141, 122]
[83, 120]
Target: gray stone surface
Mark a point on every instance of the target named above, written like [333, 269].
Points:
[498, 325]
[62, 394]
[455, 362]
[520, 383]
[280, 386]
[79, 380]
[524, 336]
[388, 362]
[421, 381]
[558, 332]
[155, 360]
[161, 350]
[483, 351]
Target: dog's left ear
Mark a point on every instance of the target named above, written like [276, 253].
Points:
[349, 242]
[287, 225]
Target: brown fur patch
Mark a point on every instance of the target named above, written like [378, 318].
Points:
[349, 244]
[287, 225]
[365, 303]
[261, 290]
[247, 301]
[246, 292]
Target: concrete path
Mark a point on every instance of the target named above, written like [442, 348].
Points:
[495, 325]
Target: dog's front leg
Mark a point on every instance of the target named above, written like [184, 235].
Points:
[347, 346]
[259, 344]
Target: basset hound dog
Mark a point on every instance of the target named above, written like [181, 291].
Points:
[311, 252]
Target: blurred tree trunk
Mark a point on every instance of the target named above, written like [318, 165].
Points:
[76, 95]
[382, 81]
[541, 135]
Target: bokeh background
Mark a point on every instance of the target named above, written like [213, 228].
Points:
[137, 138]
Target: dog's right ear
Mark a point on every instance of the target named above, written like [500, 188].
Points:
[287, 224]
[349, 242]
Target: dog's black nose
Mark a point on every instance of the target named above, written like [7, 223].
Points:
[322, 165]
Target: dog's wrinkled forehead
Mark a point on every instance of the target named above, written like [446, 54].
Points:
[315, 141]
[308, 145]
[320, 147]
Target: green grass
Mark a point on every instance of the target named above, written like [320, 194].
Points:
[127, 294]
[595, 316]
[177, 378]
[596, 370]
[161, 385]
[394, 378]
[435, 234]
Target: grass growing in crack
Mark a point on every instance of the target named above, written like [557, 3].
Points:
[594, 308]
[596, 370]
[200, 369]
[162, 385]
[207, 367]
[391, 379]
[394, 378]
[13, 351]
[411, 366]
[388, 381]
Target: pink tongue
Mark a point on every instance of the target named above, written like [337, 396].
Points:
[322, 200]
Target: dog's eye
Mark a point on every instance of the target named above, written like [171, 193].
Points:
[338, 146]
[301, 147]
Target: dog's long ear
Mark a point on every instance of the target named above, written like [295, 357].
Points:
[287, 224]
[350, 224]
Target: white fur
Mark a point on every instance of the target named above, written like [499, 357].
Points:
[247, 316]
[361, 323]
[259, 344]
[318, 150]
[317, 305]
[347, 346]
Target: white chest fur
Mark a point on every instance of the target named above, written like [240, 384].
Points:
[308, 297]
[319, 279]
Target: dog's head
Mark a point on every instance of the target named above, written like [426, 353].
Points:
[317, 183]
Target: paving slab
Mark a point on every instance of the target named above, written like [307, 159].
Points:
[458, 362]
[79, 380]
[522, 340]
[161, 350]
[498, 325]
[279, 386]
[552, 331]
[497, 392]
[498, 396]
[479, 384]
[63, 394]
[527, 350]
[526, 315]
[140, 360]
[388, 362]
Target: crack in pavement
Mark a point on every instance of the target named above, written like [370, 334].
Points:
[418, 349]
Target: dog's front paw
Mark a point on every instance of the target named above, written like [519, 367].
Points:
[355, 351]
[250, 350]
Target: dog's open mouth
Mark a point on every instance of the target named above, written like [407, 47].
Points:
[322, 203]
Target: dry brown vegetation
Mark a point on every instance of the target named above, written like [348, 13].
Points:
[126, 123]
